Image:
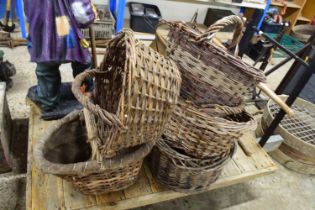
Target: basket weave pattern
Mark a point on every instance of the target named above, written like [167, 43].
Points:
[107, 181]
[136, 90]
[202, 135]
[183, 173]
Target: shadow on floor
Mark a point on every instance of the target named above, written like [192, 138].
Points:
[19, 143]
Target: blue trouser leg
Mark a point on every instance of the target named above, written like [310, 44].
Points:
[49, 80]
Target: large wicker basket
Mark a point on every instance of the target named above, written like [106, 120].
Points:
[202, 134]
[211, 74]
[136, 90]
[63, 150]
[183, 173]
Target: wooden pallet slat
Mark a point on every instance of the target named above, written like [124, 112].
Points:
[155, 187]
[55, 201]
[110, 199]
[243, 162]
[232, 170]
[76, 200]
[142, 187]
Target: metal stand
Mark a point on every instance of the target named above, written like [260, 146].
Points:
[308, 53]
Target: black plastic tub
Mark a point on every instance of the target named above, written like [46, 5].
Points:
[144, 17]
[214, 15]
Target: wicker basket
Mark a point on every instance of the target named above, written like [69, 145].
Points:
[211, 75]
[202, 134]
[104, 26]
[63, 151]
[183, 173]
[136, 90]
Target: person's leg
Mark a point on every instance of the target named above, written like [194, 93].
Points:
[49, 80]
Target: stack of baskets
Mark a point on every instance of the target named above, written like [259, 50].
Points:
[135, 104]
[136, 90]
[210, 117]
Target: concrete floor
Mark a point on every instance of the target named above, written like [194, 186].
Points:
[282, 190]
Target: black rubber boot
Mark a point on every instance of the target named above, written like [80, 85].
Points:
[67, 103]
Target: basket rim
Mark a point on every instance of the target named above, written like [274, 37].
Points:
[86, 167]
[187, 106]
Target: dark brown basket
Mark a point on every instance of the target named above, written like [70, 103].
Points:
[63, 151]
[202, 134]
[183, 173]
[136, 90]
[211, 74]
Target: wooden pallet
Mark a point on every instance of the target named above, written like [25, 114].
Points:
[46, 191]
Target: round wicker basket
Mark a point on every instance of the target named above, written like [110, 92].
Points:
[202, 133]
[210, 74]
[64, 151]
[185, 174]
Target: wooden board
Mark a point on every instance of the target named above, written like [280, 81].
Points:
[46, 191]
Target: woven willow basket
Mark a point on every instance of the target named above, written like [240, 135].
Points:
[136, 90]
[63, 151]
[211, 74]
[204, 135]
[183, 173]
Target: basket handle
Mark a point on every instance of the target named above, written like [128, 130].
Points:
[222, 23]
[109, 118]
